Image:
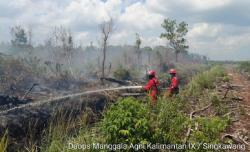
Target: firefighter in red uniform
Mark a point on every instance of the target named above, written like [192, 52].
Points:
[174, 86]
[152, 86]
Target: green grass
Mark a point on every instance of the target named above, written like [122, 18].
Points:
[4, 142]
[204, 80]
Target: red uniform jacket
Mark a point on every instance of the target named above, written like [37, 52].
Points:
[174, 84]
[152, 87]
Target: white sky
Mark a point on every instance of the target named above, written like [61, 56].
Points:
[219, 29]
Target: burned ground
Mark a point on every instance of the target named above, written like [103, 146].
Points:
[33, 118]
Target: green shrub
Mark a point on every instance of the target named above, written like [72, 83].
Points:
[170, 123]
[225, 79]
[218, 105]
[208, 130]
[126, 122]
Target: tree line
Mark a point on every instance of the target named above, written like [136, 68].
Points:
[60, 43]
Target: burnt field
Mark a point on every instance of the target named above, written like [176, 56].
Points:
[35, 92]
[45, 111]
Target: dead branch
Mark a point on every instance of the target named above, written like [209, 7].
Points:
[246, 106]
[191, 117]
[237, 98]
[232, 86]
[235, 138]
[199, 110]
[237, 86]
[187, 134]
[227, 87]
[29, 90]
[225, 95]
[229, 113]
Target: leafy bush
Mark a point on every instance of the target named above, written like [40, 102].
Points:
[225, 79]
[126, 122]
[208, 130]
[218, 104]
[170, 122]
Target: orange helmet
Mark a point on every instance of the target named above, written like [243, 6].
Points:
[172, 71]
[151, 72]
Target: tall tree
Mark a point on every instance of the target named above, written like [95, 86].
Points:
[137, 48]
[62, 44]
[175, 33]
[19, 36]
[106, 29]
[30, 36]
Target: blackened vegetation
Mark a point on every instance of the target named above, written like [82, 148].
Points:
[7, 102]
[33, 120]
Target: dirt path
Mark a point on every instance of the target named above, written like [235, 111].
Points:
[241, 127]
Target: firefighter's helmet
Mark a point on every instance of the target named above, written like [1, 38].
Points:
[172, 71]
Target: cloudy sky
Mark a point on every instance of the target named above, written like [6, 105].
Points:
[219, 29]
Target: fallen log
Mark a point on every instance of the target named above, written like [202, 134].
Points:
[232, 86]
[132, 94]
[227, 90]
[121, 82]
[246, 106]
[235, 139]
[237, 98]
[237, 86]
[200, 110]
[12, 100]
